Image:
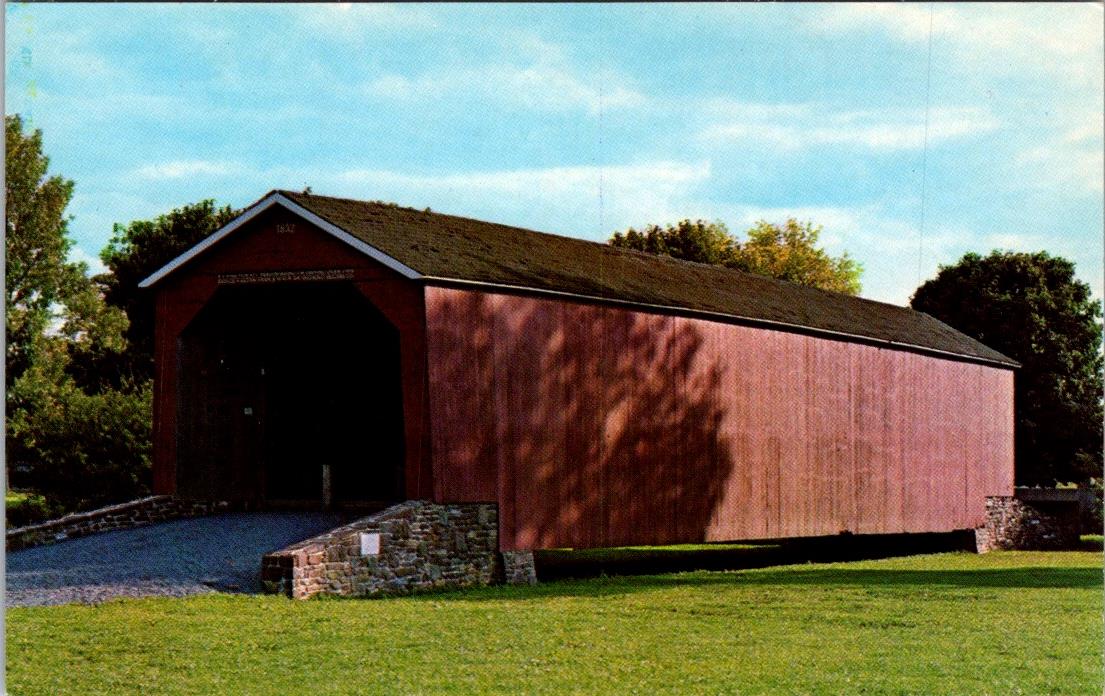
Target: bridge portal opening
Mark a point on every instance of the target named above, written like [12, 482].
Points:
[290, 396]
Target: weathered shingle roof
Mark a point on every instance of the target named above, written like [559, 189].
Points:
[444, 248]
[450, 247]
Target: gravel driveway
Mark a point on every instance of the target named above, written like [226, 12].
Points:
[182, 557]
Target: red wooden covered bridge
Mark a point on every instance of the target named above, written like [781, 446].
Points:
[364, 353]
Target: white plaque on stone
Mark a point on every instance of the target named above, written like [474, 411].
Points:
[370, 544]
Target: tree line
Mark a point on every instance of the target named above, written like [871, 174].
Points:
[79, 359]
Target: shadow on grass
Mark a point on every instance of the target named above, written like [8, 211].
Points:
[1035, 577]
[589, 563]
[1019, 578]
[1091, 542]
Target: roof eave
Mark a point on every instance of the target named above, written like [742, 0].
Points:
[1005, 362]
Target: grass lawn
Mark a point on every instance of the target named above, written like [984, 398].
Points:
[952, 623]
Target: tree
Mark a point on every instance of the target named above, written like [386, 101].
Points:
[791, 253]
[80, 449]
[140, 249]
[47, 294]
[787, 252]
[74, 431]
[83, 450]
[1031, 308]
[37, 245]
[701, 241]
[95, 339]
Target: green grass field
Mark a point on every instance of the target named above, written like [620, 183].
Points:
[953, 623]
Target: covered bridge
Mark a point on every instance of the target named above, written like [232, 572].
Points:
[355, 353]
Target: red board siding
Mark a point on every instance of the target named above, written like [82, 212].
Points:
[597, 426]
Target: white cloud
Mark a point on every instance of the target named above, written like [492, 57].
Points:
[1013, 241]
[799, 126]
[1059, 168]
[552, 180]
[535, 48]
[896, 258]
[95, 265]
[833, 220]
[1074, 161]
[180, 169]
[360, 22]
[539, 77]
[1063, 40]
[1086, 133]
[904, 22]
[37, 49]
[591, 200]
[1055, 53]
[537, 87]
[581, 200]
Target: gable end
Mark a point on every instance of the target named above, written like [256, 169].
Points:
[269, 201]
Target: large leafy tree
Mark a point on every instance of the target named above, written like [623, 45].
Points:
[788, 252]
[138, 250]
[37, 246]
[75, 430]
[1033, 309]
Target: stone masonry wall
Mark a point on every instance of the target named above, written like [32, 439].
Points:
[420, 545]
[1013, 523]
[519, 568]
[157, 508]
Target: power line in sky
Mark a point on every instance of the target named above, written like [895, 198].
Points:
[925, 152]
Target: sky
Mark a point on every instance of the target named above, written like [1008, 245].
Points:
[911, 133]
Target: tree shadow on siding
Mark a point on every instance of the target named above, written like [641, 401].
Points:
[602, 427]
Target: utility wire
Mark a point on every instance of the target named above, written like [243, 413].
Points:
[925, 151]
[602, 221]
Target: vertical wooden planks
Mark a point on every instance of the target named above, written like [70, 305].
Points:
[793, 500]
[581, 443]
[893, 411]
[461, 364]
[615, 427]
[506, 325]
[618, 500]
[534, 412]
[865, 429]
[731, 516]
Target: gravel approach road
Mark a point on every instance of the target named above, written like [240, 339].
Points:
[221, 553]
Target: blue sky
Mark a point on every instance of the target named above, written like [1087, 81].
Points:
[586, 119]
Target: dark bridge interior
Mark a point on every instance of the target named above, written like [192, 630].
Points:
[280, 382]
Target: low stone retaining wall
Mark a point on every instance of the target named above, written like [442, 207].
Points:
[1020, 522]
[157, 508]
[415, 545]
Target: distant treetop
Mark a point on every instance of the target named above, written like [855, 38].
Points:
[788, 252]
